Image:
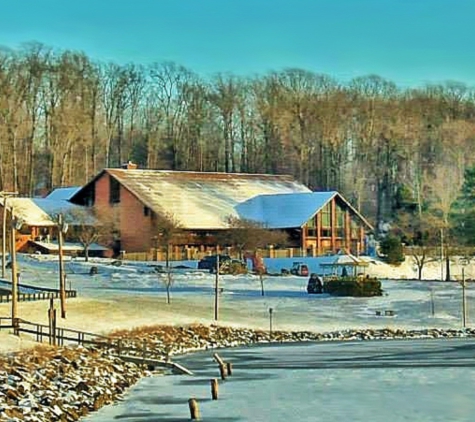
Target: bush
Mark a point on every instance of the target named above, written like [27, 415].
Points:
[353, 286]
[391, 248]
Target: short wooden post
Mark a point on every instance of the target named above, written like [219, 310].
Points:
[194, 409]
[144, 351]
[229, 367]
[50, 320]
[16, 326]
[54, 327]
[218, 359]
[214, 388]
[223, 371]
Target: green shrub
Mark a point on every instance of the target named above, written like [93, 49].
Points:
[353, 286]
[391, 248]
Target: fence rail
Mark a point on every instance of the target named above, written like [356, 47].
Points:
[27, 297]
[196, 254]
[5, 322]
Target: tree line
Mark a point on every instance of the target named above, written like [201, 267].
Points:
[64, 117]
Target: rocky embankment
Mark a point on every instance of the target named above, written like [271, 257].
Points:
[63, 384]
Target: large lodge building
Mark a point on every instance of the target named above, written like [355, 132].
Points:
[317, 223]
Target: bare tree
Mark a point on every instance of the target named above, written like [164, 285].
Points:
[168, 230]
[248, 235]
[89, 226]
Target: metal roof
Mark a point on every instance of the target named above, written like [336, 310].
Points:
[201, 200]
[64, 194]
[284, 210]
[290, 210]
[38, 212]
[69, 246]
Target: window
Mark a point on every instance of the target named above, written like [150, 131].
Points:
[327, 220]
[146, 211]
[354, 229]
[114, 191]
[340, 222]
[311, 227]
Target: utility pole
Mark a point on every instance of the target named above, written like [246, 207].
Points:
[15, 225]
[464, 300]
[216, 289]
[441, 254]
[463, 262]
[5, 196]
[62, 228]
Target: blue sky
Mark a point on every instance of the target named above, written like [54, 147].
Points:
[410, 42]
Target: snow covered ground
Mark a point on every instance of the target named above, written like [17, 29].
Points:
[133, 294]
[137, 289]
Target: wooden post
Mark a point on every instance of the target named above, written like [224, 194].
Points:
[14, 270]
[223, 371]
[216, 288]
[432, 302]
[194, 409]
[61, 228]
[54, 327]
[218, 359]
[214, 389]
[4, 235]
[144, 351]
[229, 367]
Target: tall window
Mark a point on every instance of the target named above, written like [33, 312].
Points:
[311, 227]
[327, 220]
[114, 191]
[340, 222]
[354, 229]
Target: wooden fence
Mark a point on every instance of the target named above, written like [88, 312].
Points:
[133, 348]
[26, 297]
[5, 322]
[192, 254]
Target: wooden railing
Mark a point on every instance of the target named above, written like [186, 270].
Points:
[26, 297]
[5, 322]
[59, 336]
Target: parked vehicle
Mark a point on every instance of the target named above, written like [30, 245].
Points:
[209, 262]
[299, 268]
[315, 284]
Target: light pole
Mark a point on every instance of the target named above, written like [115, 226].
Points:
[62, 229]
[270, 323]
[463, 262]
[441, 254]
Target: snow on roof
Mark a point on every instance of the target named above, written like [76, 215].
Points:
[69, 246]
[64, 194]
[39, 212]
[346, 259]
[283, 210]
[201, 200]
[31, 214]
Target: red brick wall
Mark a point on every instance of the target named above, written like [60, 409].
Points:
[135, 228]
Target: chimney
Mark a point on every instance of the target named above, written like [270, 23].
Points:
[129, 165]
